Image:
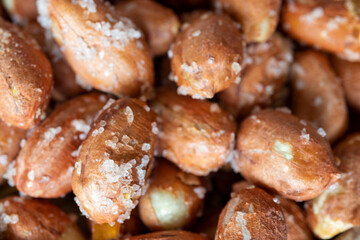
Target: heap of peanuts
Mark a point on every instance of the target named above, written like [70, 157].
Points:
[180, 119]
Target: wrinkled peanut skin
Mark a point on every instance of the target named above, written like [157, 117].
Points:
[160, 24]
[177, 183]
[262, 79]
[124, 70]
[168, 235]
[349, 73]
[209, 45]
[258, 18]
[317, 95]
[297, 228]
[341, 40]
[37, 219]
[57, 154]
[26, 78]
[93, 183]
[264, 218]
[193, 137]
[341, 201]
[307, 171]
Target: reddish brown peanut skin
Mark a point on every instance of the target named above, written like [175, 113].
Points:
[258, 18]
[168, 235]
[196, 135]
[350, 76]
[317, 94]
[10, 138]
[21, 11]
[297, 228]
[207, 56]
[26, 78]
[32, 219]
[169, 187]
[280, 152]
[330, 25]
[115, 161]
[262, 79]
[337, 209]
[251, 213]
[160, 24]
[107, 51]
[57, 141]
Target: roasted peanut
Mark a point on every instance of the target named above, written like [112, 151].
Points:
[258, 18]
[207, 56]
[281, 152]
[337, 209]
[349, 73]
[317, 96]
[196, 135]
[115, 161]
[160, 24]
[107, 51]
[57, 141]
[25, 218]
[26, 78]
[332, 25]
[251, 213]
[263, 77]
[174, 203]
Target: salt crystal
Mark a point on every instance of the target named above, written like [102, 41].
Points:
[146, 147]
[129, 114]
[321, 132]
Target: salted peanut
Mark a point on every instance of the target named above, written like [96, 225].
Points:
[297, 228]
[317, 95]
[21, 11]
[173, 200]
[353, 234]
[350, 77]
[115, 161]
[25, 218]
[207, 56]
[169, 235]
[105, 231]
[57, 141]
[198, 136]
[263, 78]
[336, 209]
[66, 83]
[280, 152]
[160, 24]
[258, 18]
[106, 50]
[331, 25]
[251, 213]
[26, 80]
[10, 138]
